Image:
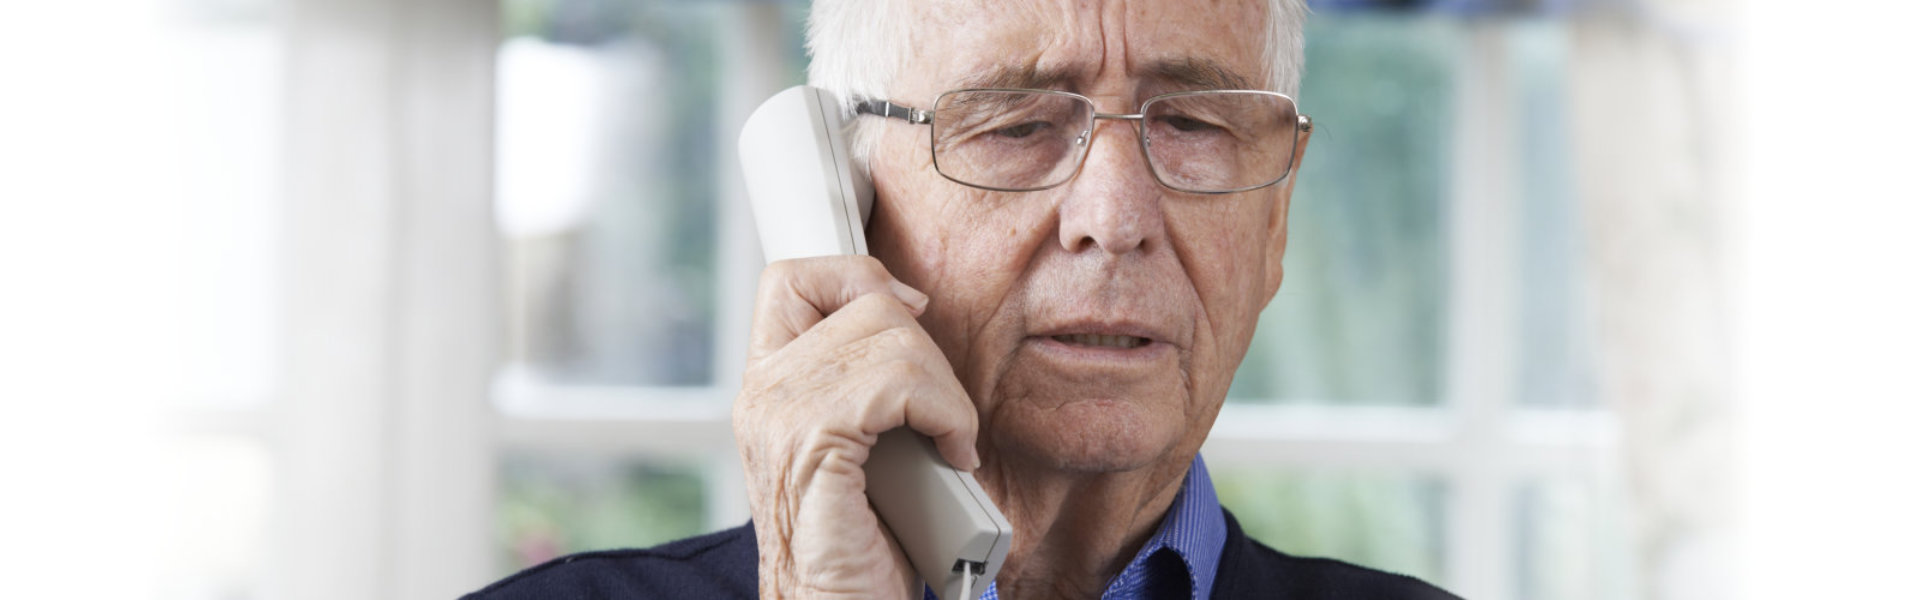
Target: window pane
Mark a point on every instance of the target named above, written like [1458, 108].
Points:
[554, 504]
[1359, 319]
[608, 174]
[1571, 542]
[1553, 350]
[1388, 521]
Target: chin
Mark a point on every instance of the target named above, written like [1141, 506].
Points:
[1089, 436]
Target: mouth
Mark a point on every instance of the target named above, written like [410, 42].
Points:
[1095, 340]
[1105, 350]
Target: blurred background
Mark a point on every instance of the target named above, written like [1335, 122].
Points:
[1587, 299]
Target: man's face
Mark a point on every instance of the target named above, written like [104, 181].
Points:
[1096, 325]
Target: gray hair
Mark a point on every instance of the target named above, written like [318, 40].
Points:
[859, 46]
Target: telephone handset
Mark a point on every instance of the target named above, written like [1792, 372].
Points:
[810, 200]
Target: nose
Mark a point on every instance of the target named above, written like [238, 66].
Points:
[1113, 204]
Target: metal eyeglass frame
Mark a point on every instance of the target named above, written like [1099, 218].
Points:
[887, 109]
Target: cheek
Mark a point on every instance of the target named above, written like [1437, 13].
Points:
[989, 244]
[931, 234]
[963, 248]
[1227, 261]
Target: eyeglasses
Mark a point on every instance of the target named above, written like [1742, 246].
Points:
[1013, 140]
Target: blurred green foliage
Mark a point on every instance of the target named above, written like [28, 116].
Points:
[555, 505]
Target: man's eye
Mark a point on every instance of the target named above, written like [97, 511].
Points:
[1188, 124]
[1020, 131]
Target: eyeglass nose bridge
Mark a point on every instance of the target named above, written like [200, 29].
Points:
[1137, 118]
[1084, 141]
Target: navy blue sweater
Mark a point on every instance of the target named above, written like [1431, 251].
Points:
[726, 565]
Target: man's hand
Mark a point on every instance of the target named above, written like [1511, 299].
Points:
[836, 359]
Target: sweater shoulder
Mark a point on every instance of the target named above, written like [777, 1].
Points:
[717, 565]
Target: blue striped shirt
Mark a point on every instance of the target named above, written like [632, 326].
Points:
[1183, 554]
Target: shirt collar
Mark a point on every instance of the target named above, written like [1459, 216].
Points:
[1194, 529]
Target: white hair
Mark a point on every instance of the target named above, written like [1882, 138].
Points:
[858, 47]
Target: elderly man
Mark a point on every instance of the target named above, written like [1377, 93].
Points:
[1079, 217]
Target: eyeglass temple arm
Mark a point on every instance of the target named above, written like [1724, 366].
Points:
[893, 111]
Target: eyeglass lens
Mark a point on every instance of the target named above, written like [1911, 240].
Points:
[1217, 141]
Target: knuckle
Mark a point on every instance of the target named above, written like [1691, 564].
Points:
[864, 272]
[897, 337]
[884, 307]
[877, 310]
[897, 343]
[776, 272]
[902, 369]
[870, 267]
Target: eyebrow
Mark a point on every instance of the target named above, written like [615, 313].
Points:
[1190, 72]
[1021, 77]
[1197, 73]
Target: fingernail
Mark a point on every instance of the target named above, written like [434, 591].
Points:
[973, 459]
[912, 297]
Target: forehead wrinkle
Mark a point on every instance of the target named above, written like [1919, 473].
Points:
[1113, 43]
[1202, 45]
[1040, 45]
[1074, 44]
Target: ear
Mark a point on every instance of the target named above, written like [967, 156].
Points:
[1282, 202]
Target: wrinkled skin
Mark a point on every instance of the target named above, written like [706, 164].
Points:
[1082, 446]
